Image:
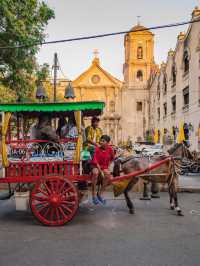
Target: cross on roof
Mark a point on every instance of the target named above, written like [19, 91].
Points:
[138, 20]
[96, 53]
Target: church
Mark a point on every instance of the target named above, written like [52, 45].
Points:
[126, 112]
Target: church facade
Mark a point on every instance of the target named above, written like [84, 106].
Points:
[126, 111]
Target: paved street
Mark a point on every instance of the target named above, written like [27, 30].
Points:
[103, 236]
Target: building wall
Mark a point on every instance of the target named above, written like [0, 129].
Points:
[190, 113]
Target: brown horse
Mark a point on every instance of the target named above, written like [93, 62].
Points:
[165, 173]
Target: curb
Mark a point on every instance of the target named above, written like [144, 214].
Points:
[189, 190]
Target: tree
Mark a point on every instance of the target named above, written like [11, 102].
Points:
[22, 23]
[7, 95]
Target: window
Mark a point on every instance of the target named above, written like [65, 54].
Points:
[186, 61]
[173, 104]
[139, 52]
[158, 91]
[112, 106]
[165, 109]
[158, 113]
[199, 90]
[139, 106]
[139, 75]
[165, 84]
[186, 96]
[173, 74]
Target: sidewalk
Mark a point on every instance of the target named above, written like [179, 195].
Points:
[189, 183]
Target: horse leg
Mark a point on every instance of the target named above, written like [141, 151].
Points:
[126, 195]
[175, 197]
[171, 198]
[129, 202]
[155, 190]
[177, 208]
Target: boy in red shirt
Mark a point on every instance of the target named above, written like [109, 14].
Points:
[103, 156]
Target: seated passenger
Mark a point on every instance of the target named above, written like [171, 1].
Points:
[69, 130]
[44, 131]
[61, 123]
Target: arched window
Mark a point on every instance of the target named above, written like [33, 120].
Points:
[158, 90]
[165, 83]
[140, 75]
[186, 61]
[140, 52]
[173, 74]
[112, 106]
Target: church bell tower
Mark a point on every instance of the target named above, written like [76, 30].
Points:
[139, 61]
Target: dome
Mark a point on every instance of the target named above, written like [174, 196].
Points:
[139, 27]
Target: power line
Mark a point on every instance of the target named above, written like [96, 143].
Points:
[103, 35]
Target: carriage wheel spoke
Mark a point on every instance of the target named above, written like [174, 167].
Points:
[47, 212]
[66, 208]
[62, 187]
[66, 190]
[43, 207]
[67, 202]
[43, 192]
[39, 198]
[62, 212]
[47, 188]
[52, 213]
[57, 214]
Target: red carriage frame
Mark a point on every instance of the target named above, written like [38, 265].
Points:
[54, 196]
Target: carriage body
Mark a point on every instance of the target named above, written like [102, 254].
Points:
[50, 171]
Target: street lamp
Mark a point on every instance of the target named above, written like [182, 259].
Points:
[40, 92]
[69, 92]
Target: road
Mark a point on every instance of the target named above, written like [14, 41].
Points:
[105, 236]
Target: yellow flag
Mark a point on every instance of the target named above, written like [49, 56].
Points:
[181, 135]
[156, 136]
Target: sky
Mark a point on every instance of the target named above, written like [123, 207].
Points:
[90, 17]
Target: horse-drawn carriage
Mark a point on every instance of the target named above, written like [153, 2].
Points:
[52, 172]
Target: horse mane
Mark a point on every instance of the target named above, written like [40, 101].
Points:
[174, 148]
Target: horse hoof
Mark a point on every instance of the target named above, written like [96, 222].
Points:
[172, 207]
[179, 213]
[155, 196]
[131, 211]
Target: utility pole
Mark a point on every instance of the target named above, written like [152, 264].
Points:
[55, 68]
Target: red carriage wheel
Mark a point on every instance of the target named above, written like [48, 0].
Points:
[54, 200]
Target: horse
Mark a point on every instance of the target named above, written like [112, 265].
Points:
[165, 173]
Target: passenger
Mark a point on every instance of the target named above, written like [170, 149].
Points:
[44, 130]
[61, 123]
[69, 130]
[103, 156]
[93, 134]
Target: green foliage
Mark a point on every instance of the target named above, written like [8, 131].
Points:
[22, 22]
[7, 95]
[42, 73]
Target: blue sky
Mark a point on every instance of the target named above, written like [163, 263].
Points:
[88, 17]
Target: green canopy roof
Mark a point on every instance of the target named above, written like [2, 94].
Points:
[53, 107]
